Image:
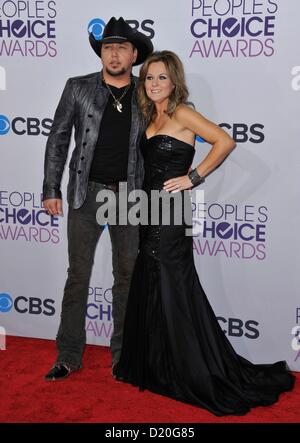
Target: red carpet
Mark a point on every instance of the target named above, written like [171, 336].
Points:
[92, 395]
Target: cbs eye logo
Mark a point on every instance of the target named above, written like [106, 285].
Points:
[24, 305]
[96, 27]
[25, 125]
[6, 302]
[242, 132]
[4, 125]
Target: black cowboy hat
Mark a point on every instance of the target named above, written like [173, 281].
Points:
[118, 31]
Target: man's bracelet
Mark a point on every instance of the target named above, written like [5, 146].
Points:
[195, 178]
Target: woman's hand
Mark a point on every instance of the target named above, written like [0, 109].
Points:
[178, 184]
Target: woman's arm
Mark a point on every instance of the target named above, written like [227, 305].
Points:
[222, 145]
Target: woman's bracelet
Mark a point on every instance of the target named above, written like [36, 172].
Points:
[195, 178]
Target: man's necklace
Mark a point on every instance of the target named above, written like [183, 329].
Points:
[117, 101]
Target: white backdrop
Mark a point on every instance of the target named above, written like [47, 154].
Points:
[243, 73]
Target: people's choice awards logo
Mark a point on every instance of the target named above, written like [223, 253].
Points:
[295, 72]
[6, 302]
[99, 312]
[230, 28]
[230, 230]
[2, 79]
[23, 218]
[28, 29]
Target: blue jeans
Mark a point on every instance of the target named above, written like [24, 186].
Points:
[83, 235]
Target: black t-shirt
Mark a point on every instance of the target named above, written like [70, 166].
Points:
[110, 159]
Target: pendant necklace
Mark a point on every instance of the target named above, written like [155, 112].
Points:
[117, 101]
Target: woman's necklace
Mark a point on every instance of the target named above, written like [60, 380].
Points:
[117, 101]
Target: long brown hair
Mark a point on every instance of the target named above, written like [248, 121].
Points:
[175, 69]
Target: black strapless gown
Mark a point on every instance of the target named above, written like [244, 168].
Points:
[173, 344]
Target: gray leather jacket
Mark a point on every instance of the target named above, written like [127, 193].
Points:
[82, 105]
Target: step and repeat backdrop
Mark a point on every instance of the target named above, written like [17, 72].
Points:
[243, 72]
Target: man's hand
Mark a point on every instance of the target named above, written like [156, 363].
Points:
[53, 206]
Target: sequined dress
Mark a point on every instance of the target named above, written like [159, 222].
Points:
[173, 344]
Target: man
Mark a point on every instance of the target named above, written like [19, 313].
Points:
[103, 110]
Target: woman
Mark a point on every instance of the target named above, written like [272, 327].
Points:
[173, 344]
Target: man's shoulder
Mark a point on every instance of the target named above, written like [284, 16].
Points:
[88, 78]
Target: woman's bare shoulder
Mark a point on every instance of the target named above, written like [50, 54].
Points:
[185, 111]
